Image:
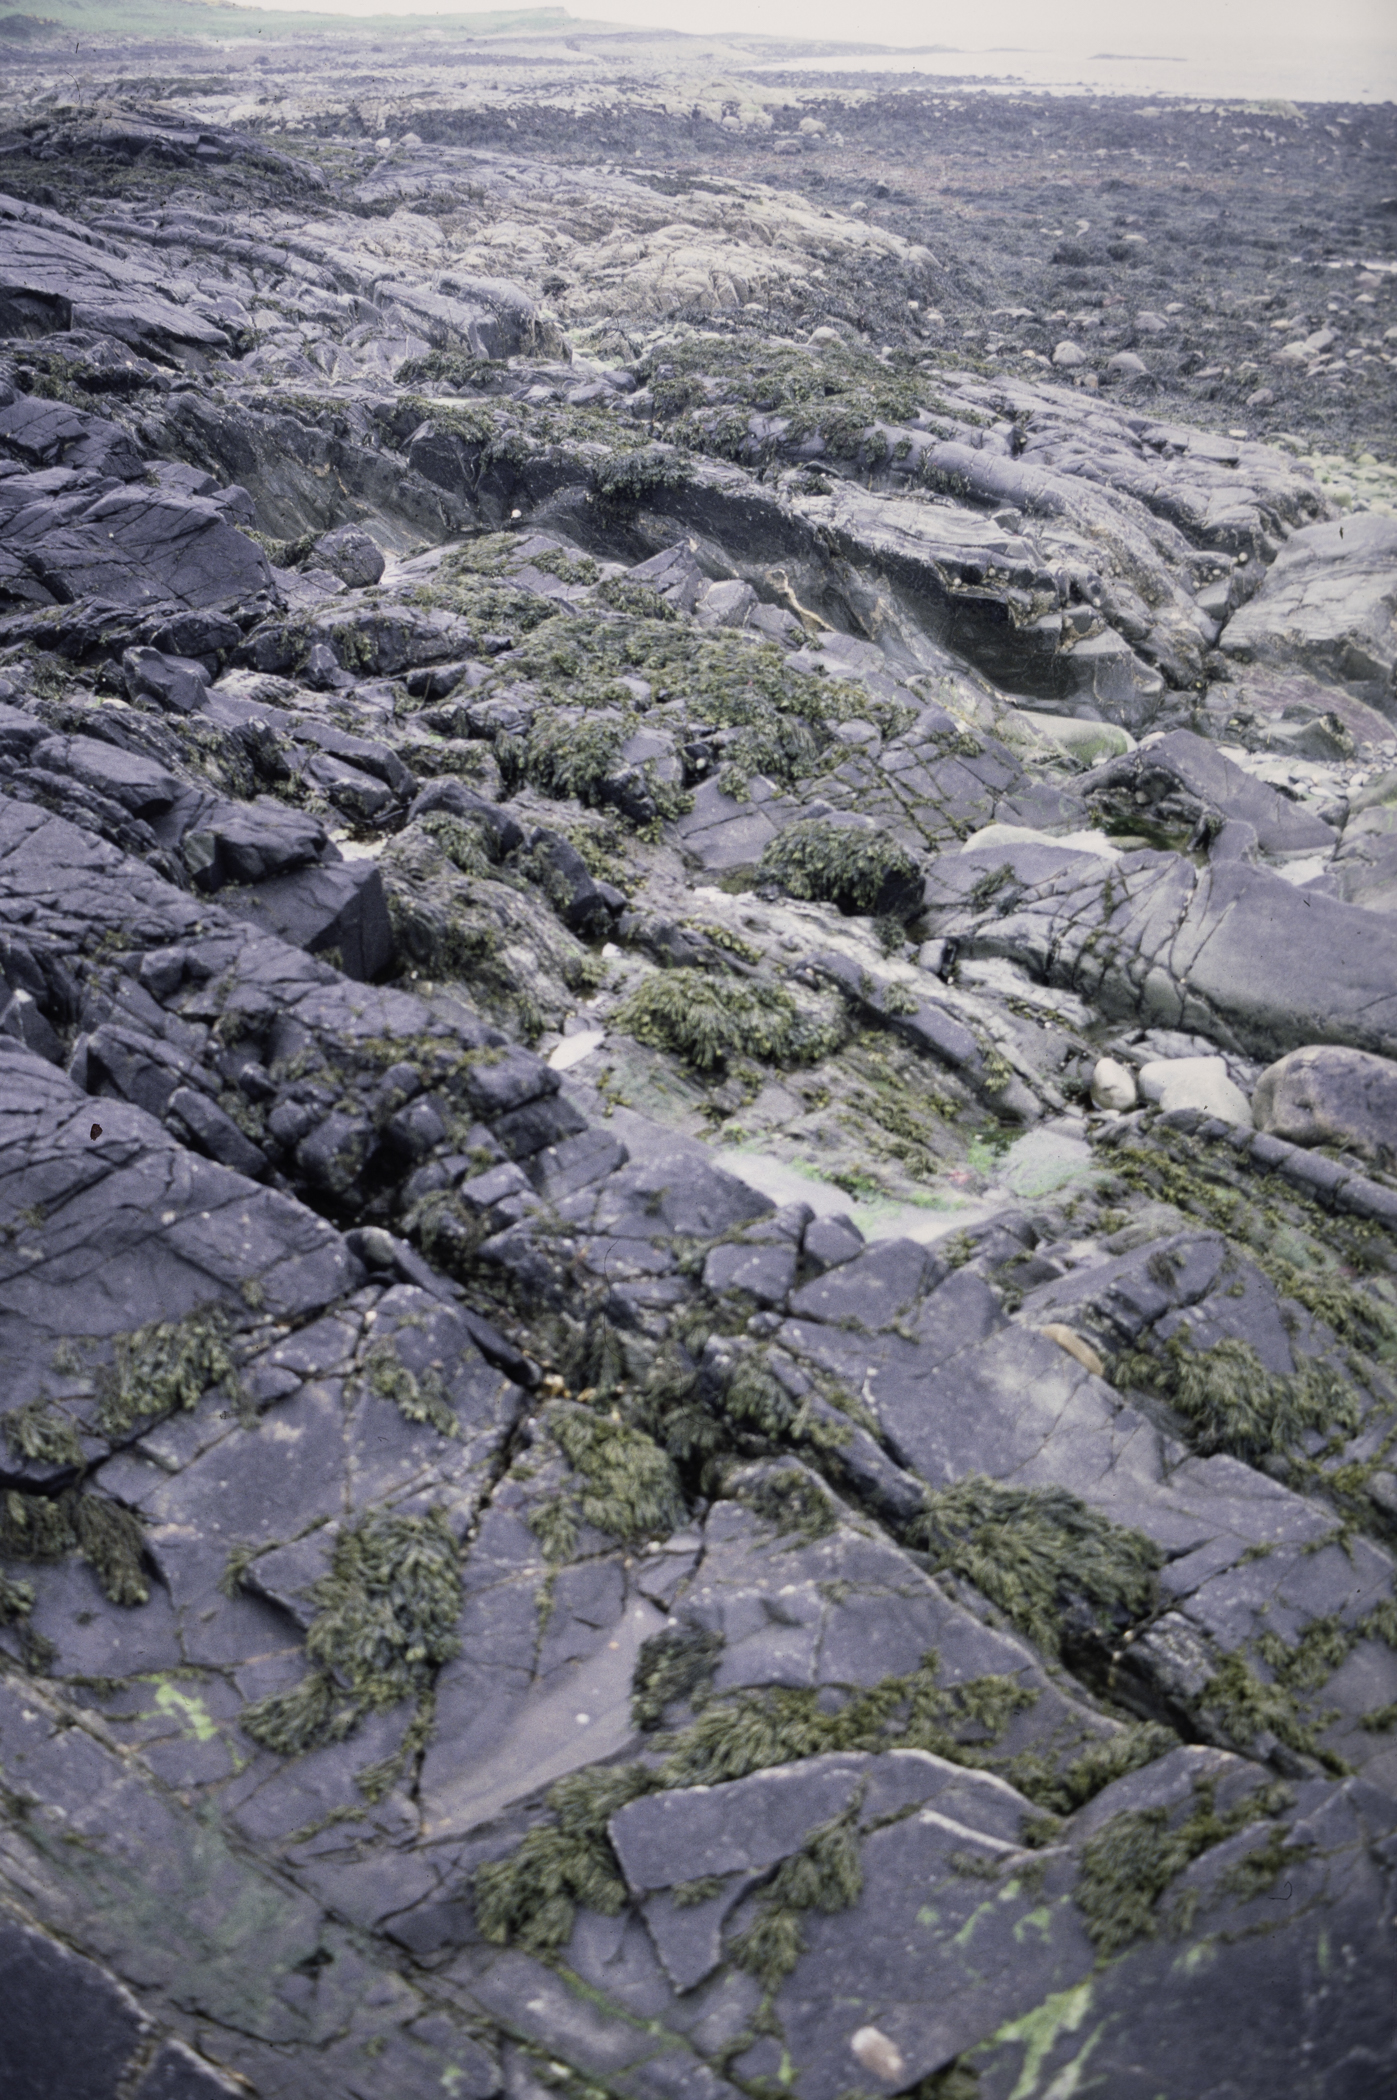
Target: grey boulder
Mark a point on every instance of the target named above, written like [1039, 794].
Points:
[351, 554]
[251, 842]
[1325, 1095]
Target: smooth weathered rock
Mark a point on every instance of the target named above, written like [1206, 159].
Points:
[1113, 1085]
[350, 554]
[1230, 952]
[251, 843]
[1324, 1095]
[1194, 1082]
[1181, 780]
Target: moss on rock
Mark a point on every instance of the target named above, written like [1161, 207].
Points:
[164, 1367]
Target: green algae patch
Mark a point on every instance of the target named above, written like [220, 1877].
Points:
[1034, 1551]
[531, 1899]
[1130, 1863]
[710, 1021]
[190, 1712]
[385, 1621]
[164, 1367]
[859, 870]
[1040, 2031]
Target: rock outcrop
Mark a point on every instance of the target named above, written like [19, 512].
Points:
[698, 1232]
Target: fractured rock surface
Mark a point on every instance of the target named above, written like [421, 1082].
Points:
[697, 1066]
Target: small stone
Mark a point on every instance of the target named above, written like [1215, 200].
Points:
[1075, 1346]
[1262, 398]
[1126, 365]
[830, 1242]
[1113, 1086]
[1069, 354]
[878, 2054]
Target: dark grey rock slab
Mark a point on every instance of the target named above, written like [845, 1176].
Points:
[340, 907]
[764, 1273]
[1325, 604]
[69, 2026]
[871, 1290]
[251, 842]
[137, 783]
[853, 1609]
[692, 1832]
[137, 1227]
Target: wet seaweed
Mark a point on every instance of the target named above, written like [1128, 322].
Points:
[859, 870]
[632, 1491]
[35, 1433]
[825, 1875]
[676, 1663]
[385, 1621]
[749, 1731]
[1246, 1708]
[531, 1898]
[416, 1399]
[1128, 1865]
[1232, 1403]
[164, 1367]
[793, 1503]
[711, 1021]
[1039, 1552]
[110, 1538]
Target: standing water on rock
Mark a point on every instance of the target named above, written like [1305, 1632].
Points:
[698, 1071]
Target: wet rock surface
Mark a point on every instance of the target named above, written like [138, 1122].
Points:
[697, 1046]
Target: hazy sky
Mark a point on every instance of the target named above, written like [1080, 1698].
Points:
[1115, 25]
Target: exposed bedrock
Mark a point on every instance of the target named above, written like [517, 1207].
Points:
[698, 1039]
[1230, 952]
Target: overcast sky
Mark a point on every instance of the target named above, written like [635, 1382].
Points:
[1341, 51]
[1116, 25]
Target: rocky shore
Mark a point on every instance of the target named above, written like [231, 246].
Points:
[698, 1065]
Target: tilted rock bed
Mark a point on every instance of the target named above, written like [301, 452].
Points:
[492, 1600]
